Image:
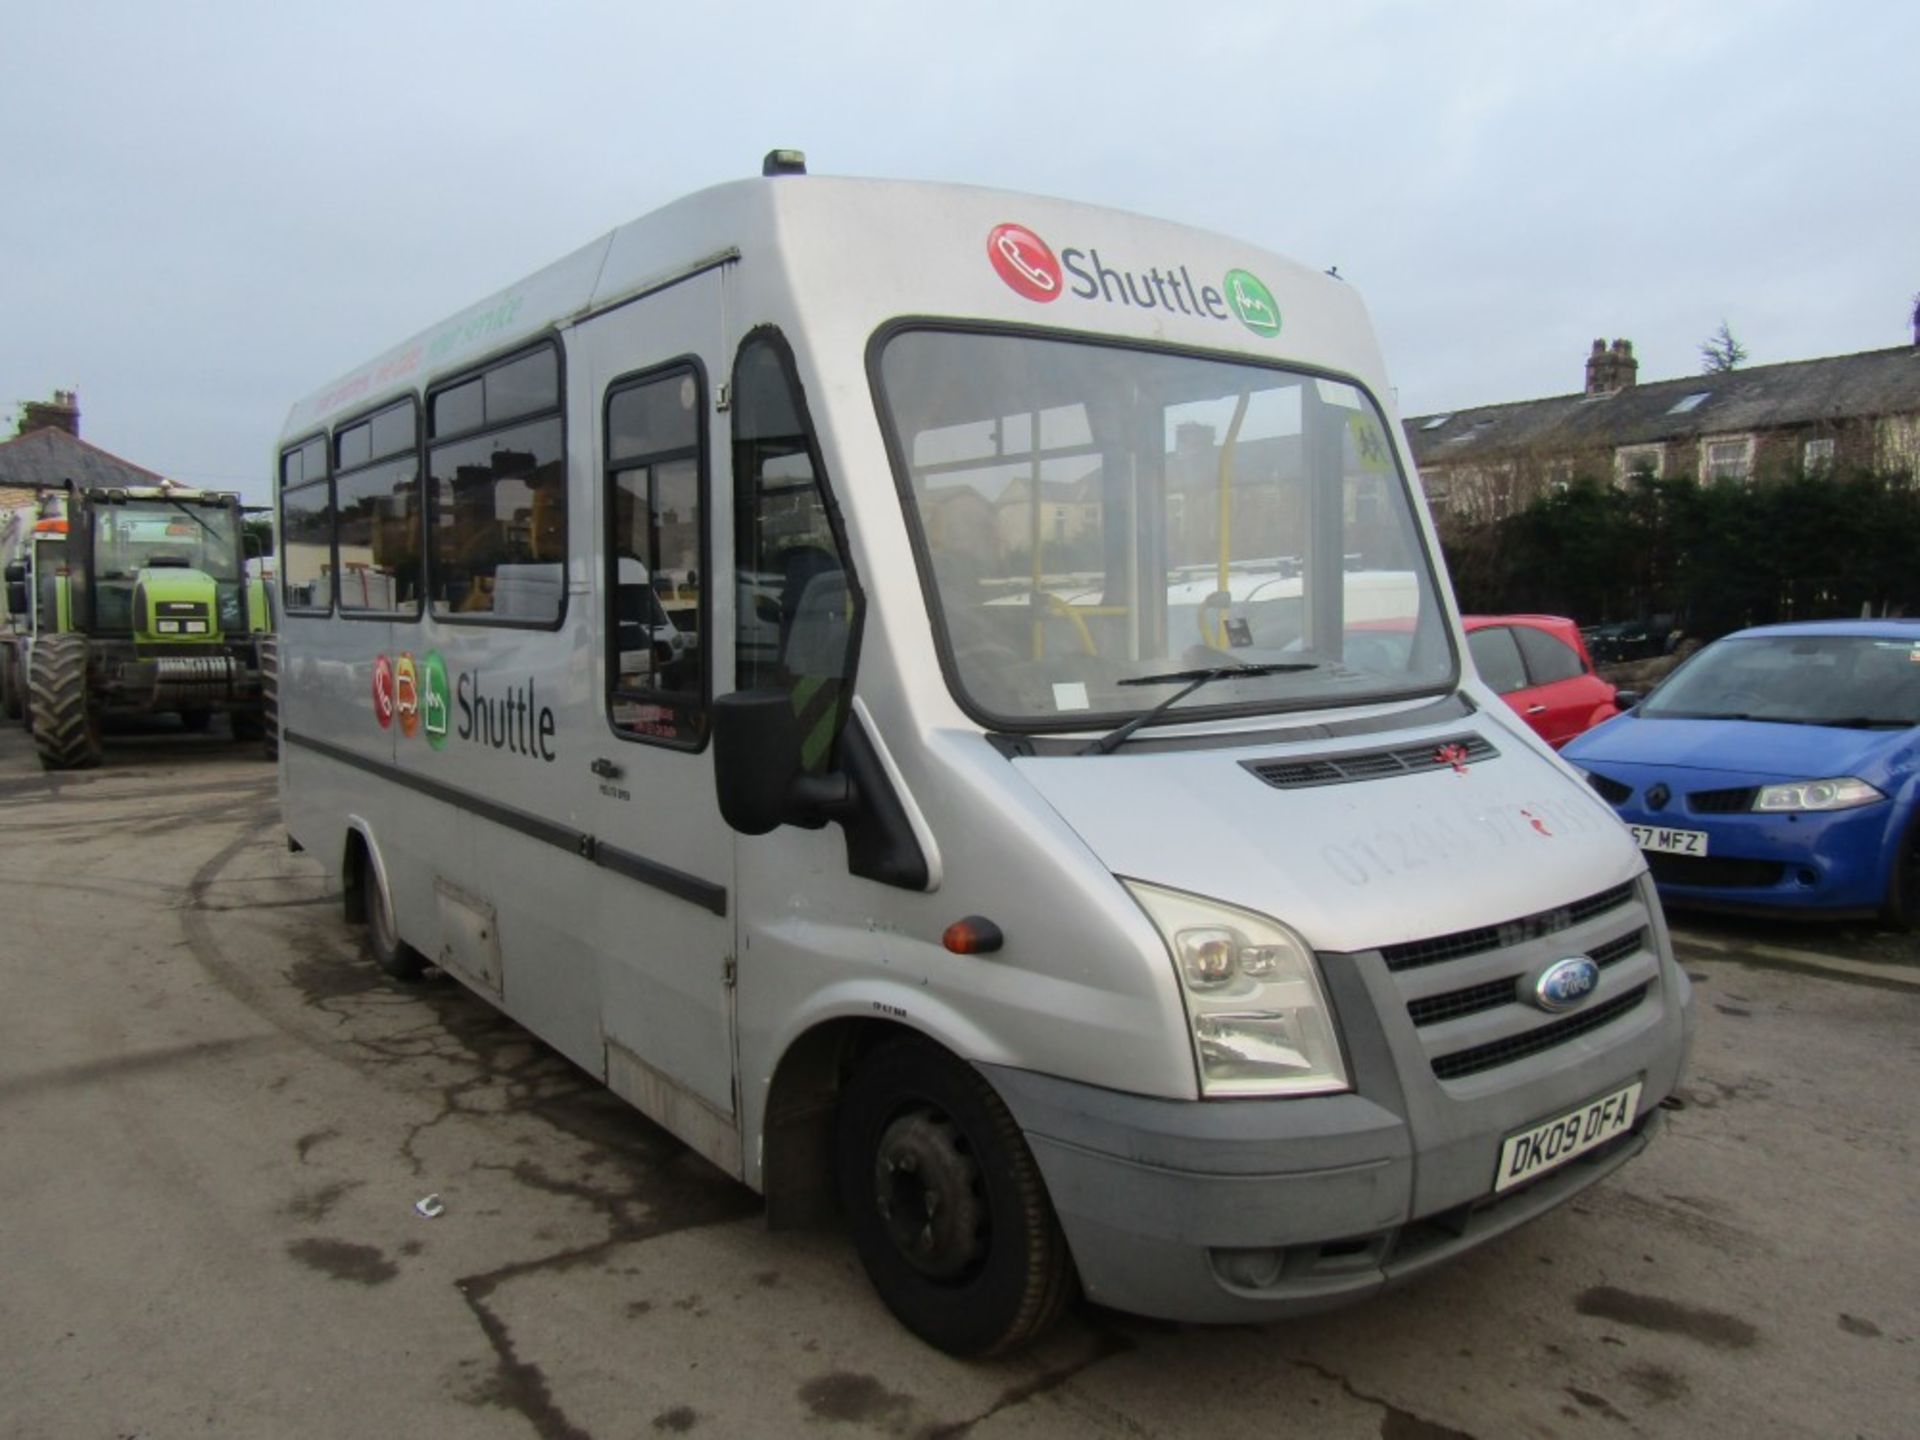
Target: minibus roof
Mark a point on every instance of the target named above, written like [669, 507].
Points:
[833, 259]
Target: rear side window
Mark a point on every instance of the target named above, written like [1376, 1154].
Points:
[497, 498]
[377, 505]
[1548, 659]
[306, 529]
[1497, 658]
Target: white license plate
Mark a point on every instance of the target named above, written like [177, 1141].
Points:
[1670, 842]
[1556, 1141]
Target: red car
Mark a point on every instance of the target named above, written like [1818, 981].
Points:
[1540, 666]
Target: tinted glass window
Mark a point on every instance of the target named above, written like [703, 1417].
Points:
[523, 386]
[306, 547]
[797, 610]
[352, 448]
[379, 535]
[658, 675]
[1547, 659]
[1497, 658]
[392, 431]
[458, 409]
[500, 525]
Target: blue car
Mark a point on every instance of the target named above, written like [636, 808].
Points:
[1777, 769]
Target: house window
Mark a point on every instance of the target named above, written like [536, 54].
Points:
[1729, 457]
[1817, 454]
[1639, 460]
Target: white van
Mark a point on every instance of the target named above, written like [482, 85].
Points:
[1062, 834]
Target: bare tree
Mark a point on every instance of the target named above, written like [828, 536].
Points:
[1720, 352]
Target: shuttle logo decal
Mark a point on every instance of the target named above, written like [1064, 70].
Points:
[434, 706]
[406, 695]
[382, 691]
[1025, 262]
[425, 699]
[1034, 272]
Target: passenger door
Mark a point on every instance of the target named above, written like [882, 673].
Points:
[664, 924]
[1563, 693]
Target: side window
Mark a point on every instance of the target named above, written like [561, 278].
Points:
[306, 529]
[377, 508]
[1548, 659]
[497, 495]
[797, 605]
[1497, 658]
[656, 548]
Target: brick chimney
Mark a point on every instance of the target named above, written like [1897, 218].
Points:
[61, 413]
[1612, 369]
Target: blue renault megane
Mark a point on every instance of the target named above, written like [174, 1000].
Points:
[1778, 769]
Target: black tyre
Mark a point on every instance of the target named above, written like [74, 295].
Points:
[946, 1206]
[247, 726]
[66, 731]
[195, 721]
[10, 686]
[392, 954]
[1902, 910]
[270, 695]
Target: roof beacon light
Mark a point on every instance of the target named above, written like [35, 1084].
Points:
[784, 162]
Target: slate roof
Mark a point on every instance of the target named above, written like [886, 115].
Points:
[1765, 397]
[50, 456]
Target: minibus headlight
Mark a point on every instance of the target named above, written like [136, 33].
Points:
[1258, 1015]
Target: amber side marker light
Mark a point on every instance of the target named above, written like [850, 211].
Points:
[974, 935]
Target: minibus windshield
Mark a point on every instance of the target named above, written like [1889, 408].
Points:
[1095, 521]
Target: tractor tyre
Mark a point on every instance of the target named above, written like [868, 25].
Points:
[270, 694]
[246, 725]
[195, 722]
[66, 731]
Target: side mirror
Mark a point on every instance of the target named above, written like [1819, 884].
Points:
[1627, 699]
[756, 766]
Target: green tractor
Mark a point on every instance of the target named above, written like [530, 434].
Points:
[134, 601]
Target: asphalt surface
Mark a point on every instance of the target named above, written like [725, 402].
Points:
[217, 1119]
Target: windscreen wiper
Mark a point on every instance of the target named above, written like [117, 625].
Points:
[180, 505]
[1114, 739]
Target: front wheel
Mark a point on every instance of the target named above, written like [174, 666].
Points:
[66, 731]
[945, 1203]
[1902, 910]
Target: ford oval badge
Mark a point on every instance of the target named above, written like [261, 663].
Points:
[1565, 983]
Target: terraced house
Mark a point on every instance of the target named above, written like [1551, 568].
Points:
[47, 451]
[1843, 412]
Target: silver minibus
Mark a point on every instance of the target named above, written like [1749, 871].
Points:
[948, 701]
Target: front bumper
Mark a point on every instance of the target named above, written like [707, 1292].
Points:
[1247, 1210]
[1833, 863]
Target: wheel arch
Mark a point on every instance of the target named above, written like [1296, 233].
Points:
[803, 1096]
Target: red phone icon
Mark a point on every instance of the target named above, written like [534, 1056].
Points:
[1024, 261]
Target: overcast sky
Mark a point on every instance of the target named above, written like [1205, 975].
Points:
[208, 210]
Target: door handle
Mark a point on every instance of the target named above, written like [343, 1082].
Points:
[1536, 709]
[606, 769]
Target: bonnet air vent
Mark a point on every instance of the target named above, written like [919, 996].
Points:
[1451, 752]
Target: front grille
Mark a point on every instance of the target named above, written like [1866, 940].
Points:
[1611, 791]
[1714, 872]
[1492, 994]
[1517, 1047]
[1415, 953]
[1449, 753]
[1722, 802]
